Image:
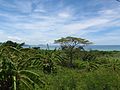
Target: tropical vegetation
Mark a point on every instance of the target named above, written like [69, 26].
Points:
[70, 67]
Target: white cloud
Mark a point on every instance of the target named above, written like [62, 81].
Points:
[74, 27]
[42, 26]
[7, 4]
[107, 40]
[14, 38]
[5, 36]
[64, 15]
[24, 7]
[40, 11]
[106, 18]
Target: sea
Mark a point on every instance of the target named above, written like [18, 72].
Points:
[89, 47]
[103, 47]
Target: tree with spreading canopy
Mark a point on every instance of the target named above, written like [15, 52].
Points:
[69, 44]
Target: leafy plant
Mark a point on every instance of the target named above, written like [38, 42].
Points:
[13, 75]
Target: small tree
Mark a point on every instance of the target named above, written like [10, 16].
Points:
[13, 44]
[69, 44]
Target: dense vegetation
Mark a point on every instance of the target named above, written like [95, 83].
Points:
[68, 68]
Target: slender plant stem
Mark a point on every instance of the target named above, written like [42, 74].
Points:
[14, 78]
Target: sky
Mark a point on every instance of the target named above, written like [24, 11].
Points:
[43, 21]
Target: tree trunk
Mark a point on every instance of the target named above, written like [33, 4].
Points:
[14, 79]
[71, 58]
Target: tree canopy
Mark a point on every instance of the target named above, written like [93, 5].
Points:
[70, 44]
[72, 41]
[13, 44]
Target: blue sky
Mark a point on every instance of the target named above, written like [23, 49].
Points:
[43, 21]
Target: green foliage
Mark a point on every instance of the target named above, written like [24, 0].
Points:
[13, 44]
[88, 56]
[15, 70]
[69, 45]
[37, 69]
[48, 58]
[72, 41]
[102, 80]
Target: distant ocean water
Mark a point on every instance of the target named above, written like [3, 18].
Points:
[104, 47]
[90, 47]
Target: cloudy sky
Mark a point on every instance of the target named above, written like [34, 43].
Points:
[43, 21]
